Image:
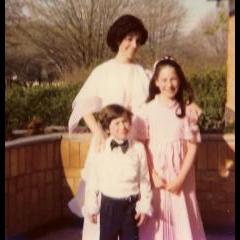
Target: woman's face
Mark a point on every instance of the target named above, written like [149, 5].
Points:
[129, 46]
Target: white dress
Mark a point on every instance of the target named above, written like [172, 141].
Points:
[111, 82]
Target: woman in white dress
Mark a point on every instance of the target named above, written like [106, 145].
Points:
[117, 81]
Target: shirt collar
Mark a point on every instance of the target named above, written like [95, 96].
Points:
[110, 138]
[158, 99]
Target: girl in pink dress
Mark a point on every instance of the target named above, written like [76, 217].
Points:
[172, 141]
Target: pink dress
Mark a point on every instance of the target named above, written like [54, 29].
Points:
[175, 217]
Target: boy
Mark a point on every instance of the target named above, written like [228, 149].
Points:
[120, 175]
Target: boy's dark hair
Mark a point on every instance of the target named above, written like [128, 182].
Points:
[123, 26]
[111, 112]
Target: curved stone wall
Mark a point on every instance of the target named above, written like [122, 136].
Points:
[33, 182]
[42, 174]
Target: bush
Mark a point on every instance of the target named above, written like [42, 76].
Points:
[51, 104]
[210, 93]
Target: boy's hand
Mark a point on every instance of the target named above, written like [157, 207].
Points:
[93, 218]
[141, 218]
[158, 181]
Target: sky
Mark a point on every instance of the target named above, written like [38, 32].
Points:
[197, 9]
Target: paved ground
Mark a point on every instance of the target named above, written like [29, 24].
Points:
[73, 232]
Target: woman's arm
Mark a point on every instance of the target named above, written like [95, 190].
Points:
[176, 185]
[92, 123]
[96, 128]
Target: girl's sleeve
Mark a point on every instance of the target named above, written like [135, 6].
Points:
[191, 130]
[88, 100]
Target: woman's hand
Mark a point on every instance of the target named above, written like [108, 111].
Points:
[175, 186]
[194, 112]
[158, 181]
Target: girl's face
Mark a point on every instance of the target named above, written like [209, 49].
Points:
[129, 46]
[168, 82]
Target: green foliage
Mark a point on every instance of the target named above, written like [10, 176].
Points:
[52, 104]
[210, 94]
[230, 128]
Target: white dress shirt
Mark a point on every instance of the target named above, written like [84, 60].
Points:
[110, 82]
[119, 175]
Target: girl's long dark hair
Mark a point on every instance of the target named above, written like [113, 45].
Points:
[184, 85]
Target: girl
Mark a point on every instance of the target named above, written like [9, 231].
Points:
[119, 80]
[172, 144]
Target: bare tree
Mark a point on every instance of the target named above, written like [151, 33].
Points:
[215, 30]
[14, 56]
[71, 32]
[163, 20]
[206, 44]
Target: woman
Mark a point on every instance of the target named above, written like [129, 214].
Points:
[117, 81]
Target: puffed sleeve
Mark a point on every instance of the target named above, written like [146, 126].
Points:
[140, 89]
[191, 130]
[140, 126]
[88, 100]
[144, 205]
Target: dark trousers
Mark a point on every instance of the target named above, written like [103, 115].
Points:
[117, 219]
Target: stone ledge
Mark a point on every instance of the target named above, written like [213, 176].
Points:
[77, 136]
[33, 139]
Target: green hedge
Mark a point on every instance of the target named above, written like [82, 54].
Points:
[210, 94]
[52, 104]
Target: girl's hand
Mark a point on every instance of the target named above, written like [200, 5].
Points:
[158, 181]
[93, 218]
[140, 217]
[194, 112]
[174, 186]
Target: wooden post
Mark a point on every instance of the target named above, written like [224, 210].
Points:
[230, 104]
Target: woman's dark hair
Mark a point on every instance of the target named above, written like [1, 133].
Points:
[184, 85]
[123, 26]
[111, 112]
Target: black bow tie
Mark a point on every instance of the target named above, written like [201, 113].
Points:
[124, 146]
